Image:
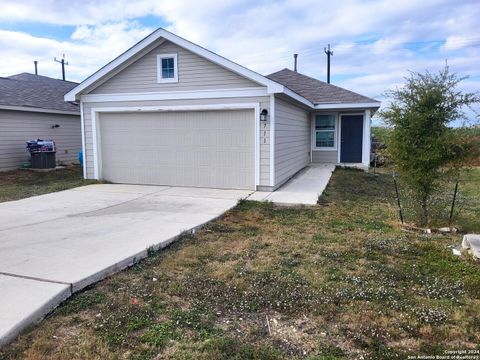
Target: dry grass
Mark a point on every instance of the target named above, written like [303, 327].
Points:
[335, 281]
[19, 184]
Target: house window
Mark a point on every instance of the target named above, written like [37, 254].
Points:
[167, 70]
[325, 131]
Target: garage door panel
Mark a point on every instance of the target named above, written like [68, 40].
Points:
[203, 148]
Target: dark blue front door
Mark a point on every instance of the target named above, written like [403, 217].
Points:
[351, 140]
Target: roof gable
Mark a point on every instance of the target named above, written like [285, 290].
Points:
[194, 73]
[316, 91]
[36, 92]
[160, 33]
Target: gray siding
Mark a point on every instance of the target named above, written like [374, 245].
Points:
[292, 139]
[324, 156]
[194, 73]
[264, 103]
[16, 127]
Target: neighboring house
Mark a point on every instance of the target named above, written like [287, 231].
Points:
[170, 112]
[31, 107]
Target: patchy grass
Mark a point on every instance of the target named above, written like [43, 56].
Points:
[335, 281]
[19, 184]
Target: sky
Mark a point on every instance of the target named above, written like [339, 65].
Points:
[375, 43]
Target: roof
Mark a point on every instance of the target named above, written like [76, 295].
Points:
[316, 91]
[153, 38]
[40, 93]
[313, 93]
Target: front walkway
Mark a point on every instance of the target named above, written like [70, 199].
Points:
[303, 189]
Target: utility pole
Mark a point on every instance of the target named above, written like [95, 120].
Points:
[63, 62]
[329, 53]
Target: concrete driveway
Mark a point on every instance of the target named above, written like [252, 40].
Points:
[56, 244]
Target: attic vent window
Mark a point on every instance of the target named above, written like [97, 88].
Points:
[167, 70]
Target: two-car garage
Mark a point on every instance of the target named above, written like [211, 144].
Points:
[209, 148]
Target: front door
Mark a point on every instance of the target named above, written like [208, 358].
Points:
[351, 140]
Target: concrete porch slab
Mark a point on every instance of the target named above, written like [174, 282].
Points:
[303, 189]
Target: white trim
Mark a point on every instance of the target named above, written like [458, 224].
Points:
[340, 134]
[366, 139]
[39, 110]
[314, 133]
[178, 95]
[84, 155]
[297, 97]
[96, 166]
[161, 33]
[272, 140]
[339, 138]
[348, 106]
[160, 78]
[254, 106]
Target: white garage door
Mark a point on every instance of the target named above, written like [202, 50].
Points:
[188, 148]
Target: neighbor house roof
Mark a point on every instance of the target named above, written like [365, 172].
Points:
[29, 92]
[316, 91]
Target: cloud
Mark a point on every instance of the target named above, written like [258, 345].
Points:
[375, 42]
[88, 49]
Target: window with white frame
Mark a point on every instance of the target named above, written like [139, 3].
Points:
[167, 70]
[325, 131]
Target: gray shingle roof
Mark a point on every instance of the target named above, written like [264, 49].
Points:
[316, 91]
[36, 91]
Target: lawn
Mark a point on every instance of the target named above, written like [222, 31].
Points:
[335, 281]
[19, 184]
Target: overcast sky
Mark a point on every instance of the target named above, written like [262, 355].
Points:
[375, 43]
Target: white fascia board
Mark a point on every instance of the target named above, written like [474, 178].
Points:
[39, 110]
[178, 95]
[297, 97]
[348, 106]
[271, 85]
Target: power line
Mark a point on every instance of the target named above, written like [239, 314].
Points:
[358, 45]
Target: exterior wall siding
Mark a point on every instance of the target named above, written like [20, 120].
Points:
[292, 140]
[264, 137]
[194, 73]
[329, 157]
[16, 127]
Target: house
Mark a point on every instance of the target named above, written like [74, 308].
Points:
[170, 112]
[32, 107]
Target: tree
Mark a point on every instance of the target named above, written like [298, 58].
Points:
[423, 146]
